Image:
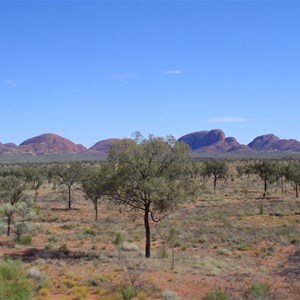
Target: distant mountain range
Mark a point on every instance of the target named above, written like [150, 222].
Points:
[202, 143]
[215, 142]
[53, 146]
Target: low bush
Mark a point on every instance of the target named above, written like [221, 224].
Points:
[169, 295]
[128, 292]
[217, 295]
[259, 291]
[25, 240]
[13, 282]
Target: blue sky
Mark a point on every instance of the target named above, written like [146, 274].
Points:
[91, 70]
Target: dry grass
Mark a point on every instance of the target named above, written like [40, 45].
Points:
[224, 243]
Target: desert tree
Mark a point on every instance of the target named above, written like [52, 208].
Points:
[69, 175]
[281, 175]
[96, 184]
[49, 173]
[11, 193]
[33, 175]
[150, 175]
[246, 169]
[267, 171]
[216, 168]
[292, 174]
[14, 169]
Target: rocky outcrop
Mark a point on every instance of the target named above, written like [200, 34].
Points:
[270, 142]
[213, 142]
[200, 139]
[103, 146]
[263, 142]
[7, 147]
[202, 143]
[290, 145]
[50, 143]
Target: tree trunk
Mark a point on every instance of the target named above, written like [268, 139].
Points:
[147, 229]
[8, 225]
[173, 258]
[265, 188]
[215, 184]
[297, 190]
[96, 210]
[35, 196]
[69, 190]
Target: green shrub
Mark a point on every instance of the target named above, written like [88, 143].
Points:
[25, 240]
[13, 282]
[217, 295]
[89, 231]
[36, 211]
[128, 292]
[259, 291]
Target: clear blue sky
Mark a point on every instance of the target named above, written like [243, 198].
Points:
[91, 70]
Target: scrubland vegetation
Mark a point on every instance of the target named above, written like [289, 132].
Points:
[149, 223]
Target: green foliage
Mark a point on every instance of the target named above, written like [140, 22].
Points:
[151, 175]
[172, 236]
[14, 206]
[217, 295]
[23, 223]
[260, 291]
[97, 184]
[128, 292]
[150, 171]
[292, 173]
[13, 282]
[11, 189]
[89, 231]
[216, 168]
[33, 175]
[25, 240]
[118, 239]
[68, 176]
[268, 171]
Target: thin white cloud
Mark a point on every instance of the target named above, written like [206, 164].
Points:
[10, 83]
[123, 77]
[227, 120]
[173, 72]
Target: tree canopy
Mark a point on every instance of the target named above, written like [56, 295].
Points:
[97, 184]
[216, 168]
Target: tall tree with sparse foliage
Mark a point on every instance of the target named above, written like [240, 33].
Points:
[268, 172]
[216, 168]
[69, 175]
[151, 176]
[33, 175]
[96, 185]
[11, 194]
[292, 173]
